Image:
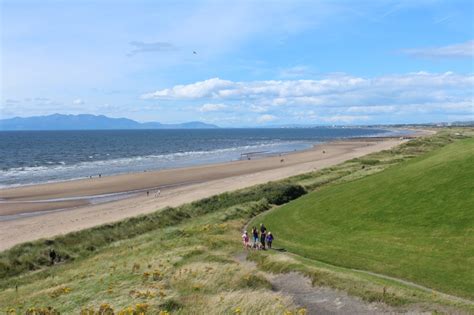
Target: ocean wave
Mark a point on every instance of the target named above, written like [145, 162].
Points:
[74, 156]
[20, 176]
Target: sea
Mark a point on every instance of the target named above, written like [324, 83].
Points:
[32, 157]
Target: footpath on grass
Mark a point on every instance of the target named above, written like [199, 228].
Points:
[322, 299]
[316, 300]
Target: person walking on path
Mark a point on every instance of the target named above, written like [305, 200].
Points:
[263, 237]
[245, 240]
[262, 228]
[269, 239]
[255, 237]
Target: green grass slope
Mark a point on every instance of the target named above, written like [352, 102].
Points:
[413, 221]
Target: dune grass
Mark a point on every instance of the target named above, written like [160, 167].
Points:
[34, 255]
[185, 268]
[414, 220]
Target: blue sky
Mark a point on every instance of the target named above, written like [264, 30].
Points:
[256, 62]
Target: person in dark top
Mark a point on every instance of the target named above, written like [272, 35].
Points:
[269, 239]
[263, 237]
[52, 256]
[255, 237]
[262, 228]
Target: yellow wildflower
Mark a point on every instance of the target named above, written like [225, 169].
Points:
[302, 311]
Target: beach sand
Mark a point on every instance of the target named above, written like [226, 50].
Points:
[177, 186]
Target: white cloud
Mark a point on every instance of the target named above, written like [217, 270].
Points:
[212, 107]
[460, 50]
[78, 102]
[201, 89]
[336, 98]
[266, 118]
[339, 90]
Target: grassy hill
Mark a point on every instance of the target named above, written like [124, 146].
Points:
[414, 220]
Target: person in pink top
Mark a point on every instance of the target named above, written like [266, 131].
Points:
[246, 239]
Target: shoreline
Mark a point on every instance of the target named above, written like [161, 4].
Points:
[66, 194]
[215, 179]
[389, 133]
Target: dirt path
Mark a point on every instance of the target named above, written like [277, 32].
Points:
[317, 300]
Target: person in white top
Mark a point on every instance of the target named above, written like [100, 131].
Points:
[245, 240]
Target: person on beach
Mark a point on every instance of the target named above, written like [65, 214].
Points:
[147, 193]
[157, 194]
[269, 240]
[245, 240]
[255, 237]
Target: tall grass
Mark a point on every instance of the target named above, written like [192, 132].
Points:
[34, 255]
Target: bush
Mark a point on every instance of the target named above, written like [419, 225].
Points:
[369, 161]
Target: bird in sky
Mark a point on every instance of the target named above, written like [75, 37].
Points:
[194, 52]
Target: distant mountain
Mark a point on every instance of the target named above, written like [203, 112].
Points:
[90, 122]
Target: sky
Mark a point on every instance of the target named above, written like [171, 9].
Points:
[240, 63]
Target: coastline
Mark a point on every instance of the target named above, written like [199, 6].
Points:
[63, 171]
[207, 181]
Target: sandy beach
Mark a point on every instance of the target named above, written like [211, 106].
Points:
[40, 211]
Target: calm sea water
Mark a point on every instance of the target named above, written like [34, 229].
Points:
[28, 157]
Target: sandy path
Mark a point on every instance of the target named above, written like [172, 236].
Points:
[317, 300]
[230, 176]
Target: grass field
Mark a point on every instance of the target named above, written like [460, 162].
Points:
[182, 260]
[414, 220]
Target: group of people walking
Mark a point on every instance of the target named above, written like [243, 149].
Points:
[260, 239]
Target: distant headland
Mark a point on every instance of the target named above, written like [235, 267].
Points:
[90, 122]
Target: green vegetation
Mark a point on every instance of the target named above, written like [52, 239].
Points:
[182, 260]
[34, 255]
[414, 221]
[184, 268]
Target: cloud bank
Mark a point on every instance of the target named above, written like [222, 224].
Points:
[334, 99]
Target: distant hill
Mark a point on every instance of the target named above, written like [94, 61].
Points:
[90, 122]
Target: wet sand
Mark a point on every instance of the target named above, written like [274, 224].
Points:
[177, 186]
